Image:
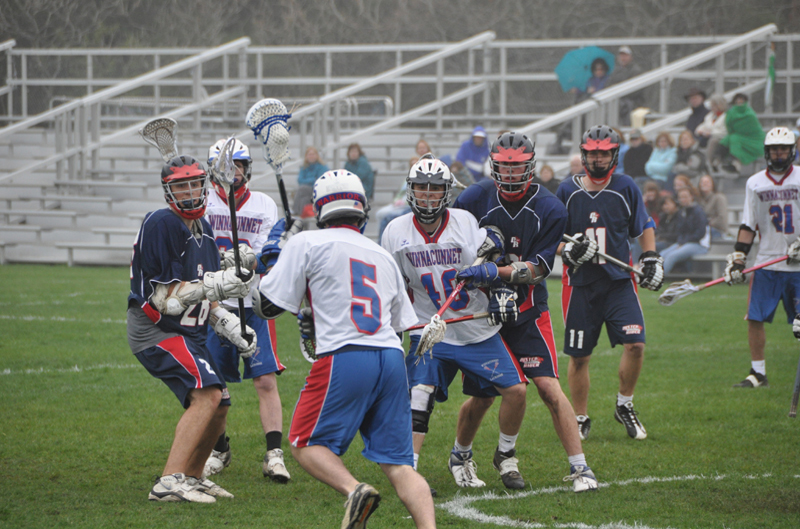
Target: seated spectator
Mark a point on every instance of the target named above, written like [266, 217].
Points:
[715, 206]
[623, 148]
[663, 157]
[626, 68]
[697, 101]
[693, 238]
[682, 181]
[358, 165]
[667, 232]
[690, 161]
[547, 179]
[461, 175]
[651, 194]
[313, 167]
[637, 156]
[745, 138]
[713, 129]
[422, 147]
[575, 166]
[474, 152]
[595, 83]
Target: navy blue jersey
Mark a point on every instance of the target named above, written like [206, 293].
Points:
[165, 251]
[532, 227]
[611, 216]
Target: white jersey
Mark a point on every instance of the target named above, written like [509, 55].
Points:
[429, 264]
[773, 208]
[255, 216]
[354, 287]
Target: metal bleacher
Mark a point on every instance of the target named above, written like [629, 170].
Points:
[76, 178]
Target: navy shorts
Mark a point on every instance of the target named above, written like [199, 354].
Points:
[489, 362]
[357, 390]
[585, 309]
[183, 365]
[767, 289]
[263, 362]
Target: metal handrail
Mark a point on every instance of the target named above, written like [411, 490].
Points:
[8, 44]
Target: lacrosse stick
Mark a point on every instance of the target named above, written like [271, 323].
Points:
[224, 173]
[160, 133]
[796, 394]
[477, 316]
[612, 260]
[681, 289]
[267, 119]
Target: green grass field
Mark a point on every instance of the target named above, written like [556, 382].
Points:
[85, 429]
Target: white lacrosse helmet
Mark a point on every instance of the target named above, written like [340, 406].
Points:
[339, 194]
[426, 172]
[241, 153]
[779, 136]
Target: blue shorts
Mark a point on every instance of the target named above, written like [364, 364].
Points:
[489, 363]
[767, 289]
[263, 362]
[183, 365]
[356, 390]
[585, 309]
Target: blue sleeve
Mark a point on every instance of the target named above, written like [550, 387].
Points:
[551, 233]
[563, 194]
[161, 253]
[639, 217]
[469, 200]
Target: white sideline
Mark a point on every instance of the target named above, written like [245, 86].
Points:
[460, 505]
[58, 318]
[73, 369]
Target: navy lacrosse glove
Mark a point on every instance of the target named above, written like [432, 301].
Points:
[278, 236]
[502, 305]
[482, 275]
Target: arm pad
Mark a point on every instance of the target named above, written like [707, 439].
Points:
[521, 274]
[183, 296]
[264, 308]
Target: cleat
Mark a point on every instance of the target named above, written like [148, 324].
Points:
[627, 416]
[506, 464]
[216, 462]
[209, 487]
[177, 487]
[753, 380]
[464, 469]
[359, 506]
[584, 425]
[274, 467]
[582, 478]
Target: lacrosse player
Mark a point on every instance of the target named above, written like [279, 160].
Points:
[358, 383]
[771, 206]
[176, 287]
[256, 214]
[605, 210]
[430, 245]
[532, 221]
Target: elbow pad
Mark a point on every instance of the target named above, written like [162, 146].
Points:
[521, 274]
[264, 308]
[182, 297]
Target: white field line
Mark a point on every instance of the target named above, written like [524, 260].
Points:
[58, 318]
[73, 369]
[460, 506]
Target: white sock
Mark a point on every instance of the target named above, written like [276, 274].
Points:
[507, 442]
[759, 366]
[622, 400]
[416, 460]
[461, 448]
[578, 459]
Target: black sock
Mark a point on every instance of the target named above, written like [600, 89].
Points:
[274, 440]
[222, 443]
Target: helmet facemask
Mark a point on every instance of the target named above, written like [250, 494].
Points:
[512, 165]
[779, 137]
[424, 174]
[185, 185]
[600, 138]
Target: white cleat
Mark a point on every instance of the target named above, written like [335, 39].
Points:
[216, 462]
[464, 469]
[582, 478]
[274, 468]
[177, 487]
[209, 487]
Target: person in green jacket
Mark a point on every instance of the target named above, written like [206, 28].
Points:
[745, 139]
[358, 165]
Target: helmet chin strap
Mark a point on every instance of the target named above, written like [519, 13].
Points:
[600, 181]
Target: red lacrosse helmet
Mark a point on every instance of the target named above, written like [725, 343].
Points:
[600, 138]
[516, 151]
[185, 169]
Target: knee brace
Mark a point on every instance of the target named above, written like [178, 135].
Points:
[422, 401]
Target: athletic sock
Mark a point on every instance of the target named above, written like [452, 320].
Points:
[578, 459]
[507, 442]
[416, 461]
[759, 366]
[460, 448]
[622, 400]
[274, 439]
[222, 443]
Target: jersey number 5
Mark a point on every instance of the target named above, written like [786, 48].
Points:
[365, 310]
[782, 219]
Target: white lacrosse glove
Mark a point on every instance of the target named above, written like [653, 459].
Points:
[229, 327]
[575, 254]
[794, 252]
[246, 255]
[492, 246]
[432, 334]
[733, 271]
[502, 306]
[226, 284]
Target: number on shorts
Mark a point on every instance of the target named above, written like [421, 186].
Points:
[572, 334]
[365, 310]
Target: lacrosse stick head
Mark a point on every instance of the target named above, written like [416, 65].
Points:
[223, 170]
[676, 291]
[268, 119]
[161, 133]
[238, 152]
[308, 347]
[432, 334]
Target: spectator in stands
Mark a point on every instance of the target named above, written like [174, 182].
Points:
[651, 194]
[624, 69]
[715, 206]
[595, 83]
[663, 157]
[399, 205]
[422, 147]
[358, 165]
[461, 175]
[697, 102]
[745, 138]
[474, 152]
[547, 179]
[713, 129]
[691, 161]
[682, 181]
[667, 232]
[637, 156]
[575, 166]
[623, 148]
[692, 232]
[313, 167]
